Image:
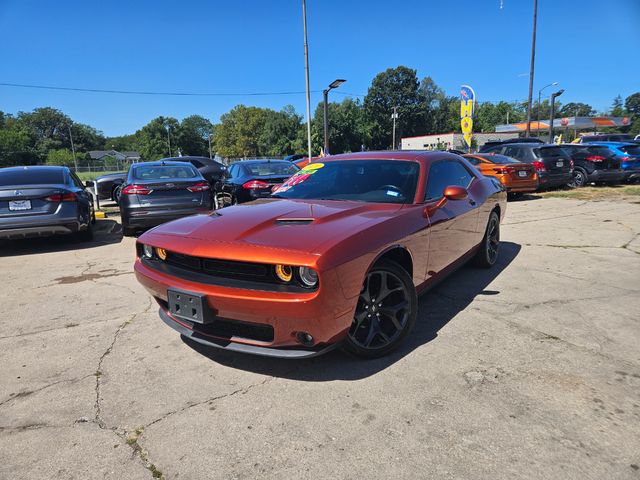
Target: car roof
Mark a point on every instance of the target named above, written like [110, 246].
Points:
[613, 144]
[422, 156]
[158, 163]
[264, 160]
[35, 168]
[529, 145]
[186, 158]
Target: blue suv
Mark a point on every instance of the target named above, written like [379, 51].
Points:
[629, 155]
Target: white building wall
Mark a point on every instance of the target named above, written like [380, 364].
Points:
[447, 141]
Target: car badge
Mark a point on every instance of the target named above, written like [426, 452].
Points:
[17, 193]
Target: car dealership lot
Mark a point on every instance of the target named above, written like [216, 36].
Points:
[528, 370]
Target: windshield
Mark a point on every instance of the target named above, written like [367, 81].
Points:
[27, 176]
[500, 159]
[380, 181]
[162, 172]
[270, 168]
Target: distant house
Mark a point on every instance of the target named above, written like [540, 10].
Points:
[131, 157]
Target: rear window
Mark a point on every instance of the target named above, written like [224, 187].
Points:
[631, 149]
[500, 159]
[32, 177]
[164, 172]
[270, 168]
[602, 151]
[550, 152]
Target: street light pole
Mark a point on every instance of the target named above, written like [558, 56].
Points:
[73, 148]
[553, 104]
[325, 98]
[394, 115]
[169, 138]
[533, 62]
[539, 93]
[210, 156]
[306, 75]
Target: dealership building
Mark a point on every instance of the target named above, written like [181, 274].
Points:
[451, 141]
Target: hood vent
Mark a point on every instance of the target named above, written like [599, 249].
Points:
[293, 221]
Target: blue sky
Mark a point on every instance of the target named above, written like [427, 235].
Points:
[590, 47]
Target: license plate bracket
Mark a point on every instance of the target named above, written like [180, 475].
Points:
[18, 205]
[522, 173]
[189, 306]
[560, 164]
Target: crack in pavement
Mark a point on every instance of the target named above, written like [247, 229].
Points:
[242, 390]
[44, 387]
[98, 373]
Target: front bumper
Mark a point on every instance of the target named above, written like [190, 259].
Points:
[325, 314]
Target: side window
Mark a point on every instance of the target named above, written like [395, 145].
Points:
[233, 170]
[444, 174]
[473, 160]
[196, 163]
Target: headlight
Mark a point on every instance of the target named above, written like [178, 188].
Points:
[308, 276]
[147, 251]
[284, 273]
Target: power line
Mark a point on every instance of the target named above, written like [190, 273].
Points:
[141, 92]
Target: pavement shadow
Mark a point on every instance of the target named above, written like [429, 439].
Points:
[106, 232]
[525, 197]
[436, 308]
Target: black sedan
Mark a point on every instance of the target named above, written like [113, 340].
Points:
[156, 192]
[252, 179]
[43, 201]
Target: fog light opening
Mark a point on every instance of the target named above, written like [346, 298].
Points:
[305, 339]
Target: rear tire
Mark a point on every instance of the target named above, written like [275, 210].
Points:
[385, 313]
[580, 178]
[86, 235]
[487, 254]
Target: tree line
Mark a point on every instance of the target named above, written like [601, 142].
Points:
[45, 134]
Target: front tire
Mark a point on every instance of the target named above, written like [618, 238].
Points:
[386, 311]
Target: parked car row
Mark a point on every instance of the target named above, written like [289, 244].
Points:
[572, 164]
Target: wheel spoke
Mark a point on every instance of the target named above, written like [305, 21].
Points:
[374, 329]
[391, 312]
[358, 319]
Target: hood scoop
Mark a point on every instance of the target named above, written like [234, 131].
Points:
[293, 221]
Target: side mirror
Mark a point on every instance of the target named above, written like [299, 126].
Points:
[452, 192]
[455, 193]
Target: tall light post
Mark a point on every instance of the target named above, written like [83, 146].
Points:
[539, 93]
[306, 75]
[169, 138]
[394, 116]
[553, 104]
[73, 148]
[325, 96]
[210, 155]
[533, 62]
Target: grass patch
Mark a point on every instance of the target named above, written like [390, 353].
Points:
[615, 193]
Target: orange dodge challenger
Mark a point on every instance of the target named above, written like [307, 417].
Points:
[337, 256]
[517, 177]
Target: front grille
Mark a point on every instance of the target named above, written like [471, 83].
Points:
[221, 268]
[226, 328]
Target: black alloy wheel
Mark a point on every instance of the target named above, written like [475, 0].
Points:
[487, 254]
[385, 313]
[579, 178]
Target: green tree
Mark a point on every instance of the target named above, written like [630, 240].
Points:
[395, 87]
[237, 135]
[347, 129]
[124, 143]
[279, 135]
[632, 104]
[60, 157]
[575, 109]
[617, 107]
[153, 138]
[16, 143]
[192, 138]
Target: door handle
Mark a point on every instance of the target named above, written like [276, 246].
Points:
[472, 202]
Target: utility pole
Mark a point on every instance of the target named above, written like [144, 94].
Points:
[73, 148]
[306, 74]
[533, 61]
[210, 156]
[169, 138]
[394, 115]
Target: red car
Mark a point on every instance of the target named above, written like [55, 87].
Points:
[337, 256]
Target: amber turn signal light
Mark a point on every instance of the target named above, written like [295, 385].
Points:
[162, 253]
[284, 273]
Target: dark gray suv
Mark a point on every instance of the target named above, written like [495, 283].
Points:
[554, 166]
[42, 201]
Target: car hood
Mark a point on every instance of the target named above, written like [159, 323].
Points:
[294, 225]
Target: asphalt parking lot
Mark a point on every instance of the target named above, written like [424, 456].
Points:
[529, 370]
